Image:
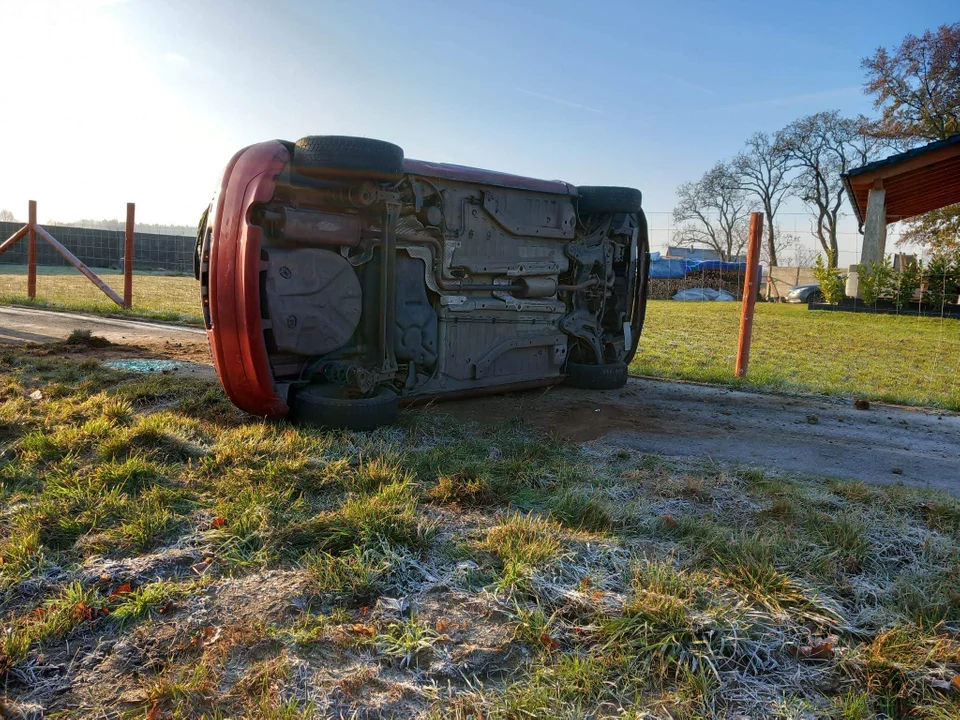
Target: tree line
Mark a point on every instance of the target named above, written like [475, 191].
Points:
[915, 89]
[114, 224]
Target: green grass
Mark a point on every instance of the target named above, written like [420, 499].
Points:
[364, 569]
[170, 298]
[906, 360]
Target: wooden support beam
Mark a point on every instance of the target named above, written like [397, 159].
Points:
[73, 260]
[12, 240]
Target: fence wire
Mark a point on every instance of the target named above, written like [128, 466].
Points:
[906, 351]
[163, 284]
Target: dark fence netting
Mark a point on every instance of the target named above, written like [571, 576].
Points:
[104, 249]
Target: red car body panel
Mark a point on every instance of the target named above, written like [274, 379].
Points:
[486, 177]
[235, 330]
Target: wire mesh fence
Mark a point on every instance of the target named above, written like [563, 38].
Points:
[163, 284]
[903, 344]
[900, 343]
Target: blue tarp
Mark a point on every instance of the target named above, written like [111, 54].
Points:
[661, 267]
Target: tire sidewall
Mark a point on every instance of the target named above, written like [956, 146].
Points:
[597, 377]
[313, 406]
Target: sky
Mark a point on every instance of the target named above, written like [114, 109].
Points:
[108, 101]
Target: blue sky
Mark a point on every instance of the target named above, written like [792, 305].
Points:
[146, 100]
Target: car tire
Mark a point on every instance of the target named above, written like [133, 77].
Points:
[597, 377]
[608, 199]
[354, 156]
[816, 297]
[329, 406]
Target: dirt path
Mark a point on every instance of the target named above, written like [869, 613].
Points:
[131, 339]
[821, 436]
[816, 435]
[21, 325]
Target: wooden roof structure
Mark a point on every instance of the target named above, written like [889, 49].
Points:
[916, 182]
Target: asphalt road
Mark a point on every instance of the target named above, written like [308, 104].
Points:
[814, 435]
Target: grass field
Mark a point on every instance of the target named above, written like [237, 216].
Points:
[173, 298]
[908, 360]
[162, 555]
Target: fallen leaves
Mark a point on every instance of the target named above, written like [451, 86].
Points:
[361, 629]
[124, 589]
[207, 635]
[84, 612]
[201, 567]
[823, 649]
[549, 642]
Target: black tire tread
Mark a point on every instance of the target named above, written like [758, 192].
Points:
[597, 377]
[358, 156]
[609, 199]
[319, 405]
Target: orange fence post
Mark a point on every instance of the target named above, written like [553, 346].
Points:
[749, 294]
[32, 250]
[128, 258]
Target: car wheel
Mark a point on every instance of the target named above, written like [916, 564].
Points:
[330, 406]
[816, 297]
[608, 199]
[359, 157]
[597, 377]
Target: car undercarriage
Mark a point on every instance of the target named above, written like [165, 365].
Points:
[340, 280]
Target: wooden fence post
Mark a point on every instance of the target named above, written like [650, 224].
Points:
[128, 258]
[749, 294]
[32, 250]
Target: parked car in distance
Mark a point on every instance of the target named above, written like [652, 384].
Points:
[805, 294]
[339, 280]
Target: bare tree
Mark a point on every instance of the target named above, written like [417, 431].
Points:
[713, 212]
[824, 146]
[795, 252]
[917, 90]
[7, 216]
[762, 169]
[917, 87]
[771, 252]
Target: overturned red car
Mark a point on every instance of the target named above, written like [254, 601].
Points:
[340, 280]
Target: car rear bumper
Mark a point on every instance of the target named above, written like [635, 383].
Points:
[232, 290]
